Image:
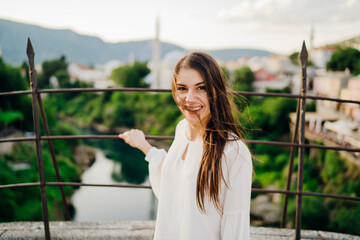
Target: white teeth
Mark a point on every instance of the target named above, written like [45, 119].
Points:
[194, 109]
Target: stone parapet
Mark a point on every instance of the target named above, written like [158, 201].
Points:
[137, 230]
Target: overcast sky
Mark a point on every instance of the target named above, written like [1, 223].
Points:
[275, 25]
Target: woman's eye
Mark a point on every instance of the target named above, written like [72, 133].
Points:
[181, 89]
[202, 88]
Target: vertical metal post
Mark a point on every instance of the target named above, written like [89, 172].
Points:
[33, 85]
[291, 165]
[303, 58]
[53, 157]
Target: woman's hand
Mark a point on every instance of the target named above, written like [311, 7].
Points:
[136, 139]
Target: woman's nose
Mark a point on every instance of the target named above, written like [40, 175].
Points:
[190, 96]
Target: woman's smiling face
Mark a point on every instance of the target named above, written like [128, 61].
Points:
[191, 96]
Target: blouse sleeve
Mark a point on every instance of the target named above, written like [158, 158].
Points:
[155, 157]
[235, 222]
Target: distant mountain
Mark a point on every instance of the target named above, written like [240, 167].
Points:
[236, 53]
[51, 44]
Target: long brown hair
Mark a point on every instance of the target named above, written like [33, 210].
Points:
[217, 128]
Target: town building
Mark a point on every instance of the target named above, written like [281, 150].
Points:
[334, 123]
[321, 55]
[83, 73]
[330, 84]
[352, 93]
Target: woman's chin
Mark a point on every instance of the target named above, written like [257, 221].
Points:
[193, 120]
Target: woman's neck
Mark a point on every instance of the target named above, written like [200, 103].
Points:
[194, 133]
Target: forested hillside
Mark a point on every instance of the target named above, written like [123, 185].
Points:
[89, 50]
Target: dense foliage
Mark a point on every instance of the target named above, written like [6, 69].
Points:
[131, 75]
[345, 58]
[243, 79]
[24, 204]
[16, 112]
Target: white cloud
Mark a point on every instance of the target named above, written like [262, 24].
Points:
[281, 24]
[278, 25]
[290, 11]
[350, 3]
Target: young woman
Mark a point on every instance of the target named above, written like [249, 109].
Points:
[203, 182]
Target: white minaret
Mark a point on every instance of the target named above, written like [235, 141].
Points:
[156, 56]
[131, 58]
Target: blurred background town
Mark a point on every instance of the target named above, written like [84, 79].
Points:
[68, 59]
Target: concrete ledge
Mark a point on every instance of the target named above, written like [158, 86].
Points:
[137, 230]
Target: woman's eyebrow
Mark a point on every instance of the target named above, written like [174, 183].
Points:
[196, 84]
[199, 83]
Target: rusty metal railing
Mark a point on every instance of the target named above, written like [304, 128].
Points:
[300, 120]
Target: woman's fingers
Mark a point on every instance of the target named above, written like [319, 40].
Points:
[136, 138]
[133, 137]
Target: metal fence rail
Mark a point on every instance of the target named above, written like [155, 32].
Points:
[254, 190]
[274, 143]
[117, 89]
[295, 143]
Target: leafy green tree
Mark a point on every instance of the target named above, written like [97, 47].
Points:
[345, 58]
[15, 110]
[11, 79]
[131, 75]
[345, 215]
[24, 204]
[63, 78]
[272, 117]
[284, 90]
[243, 79]
[119, 111]
[50, 68]
[294, 57]
[314, 214]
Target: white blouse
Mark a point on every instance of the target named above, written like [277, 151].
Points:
[173, 181]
